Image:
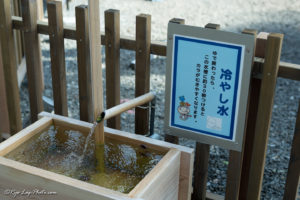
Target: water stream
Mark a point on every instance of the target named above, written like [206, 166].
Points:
[88, 138]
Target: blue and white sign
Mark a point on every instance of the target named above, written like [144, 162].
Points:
[205, 87]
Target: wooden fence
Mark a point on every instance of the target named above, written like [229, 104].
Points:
[245, 170]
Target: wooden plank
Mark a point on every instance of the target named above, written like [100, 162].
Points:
[255, 86]
[10, 67]
[84, 60]
[293, 174]
[96, 67]
[172, 138]
[142, 70]
[40, 9]
[201, 158]
[273, 51]
[236, 158]
[57, 54]
[261, 44]
[4, 122]
[249, 136]
[200, 170]
[163, 179]
[286, 70]
[17, 34]
[112, 59]
[133, 103]
[33, 59]
[21, 177]
[24, 135]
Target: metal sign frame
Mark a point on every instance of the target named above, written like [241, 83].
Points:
[198, 37]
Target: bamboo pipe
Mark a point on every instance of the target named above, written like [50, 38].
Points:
[128, 105]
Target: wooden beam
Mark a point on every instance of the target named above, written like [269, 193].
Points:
[96, 66]
[10, 67]
[112, 59]
[57, 54]
[84, 62]
[142, 70]
[234, 170]
[4, 122]
[33, 58]
[271, 65]
[286, 70]
[293, 174]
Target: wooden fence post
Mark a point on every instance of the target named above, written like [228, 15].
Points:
[270, 70]
[112, 59]
[4, 122]
[201, 158]
[251, 119]
[142, 70]
[10, 67]
[57, 52]
[171, 138]
[32, 54]
[236, 158]
[292, 179]
[84, 61]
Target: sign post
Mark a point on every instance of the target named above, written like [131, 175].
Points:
[208, 74]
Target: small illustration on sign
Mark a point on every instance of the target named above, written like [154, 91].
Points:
[184, 109]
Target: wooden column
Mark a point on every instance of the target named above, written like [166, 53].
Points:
[292, 179]
[10, 67]
[32, 54]
[270, 70]
[96, 67]
[236, 158]
[57, 53]
[4, 119]
[255, 85]
[171, 138]
[84, 63]
[202, 158]
[112, 58]
[142, 70]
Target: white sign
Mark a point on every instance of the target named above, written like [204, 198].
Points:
[208, 73]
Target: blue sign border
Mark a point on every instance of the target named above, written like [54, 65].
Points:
[239, 48]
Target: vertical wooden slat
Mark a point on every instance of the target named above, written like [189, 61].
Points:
[33, 59]
[112, 58]
[142, 70]
[255, 85]
[57, 53]
[40, 9]
[96, 67]
[10, 67]
[249, 136]
[84, 62]
[270, 70]
[171, 138]
[4, 122]
[292, 179]
[200, 171]
[17, 33]
[236, 158]
[201, 158]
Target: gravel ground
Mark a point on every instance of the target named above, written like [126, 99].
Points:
[233, 15]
